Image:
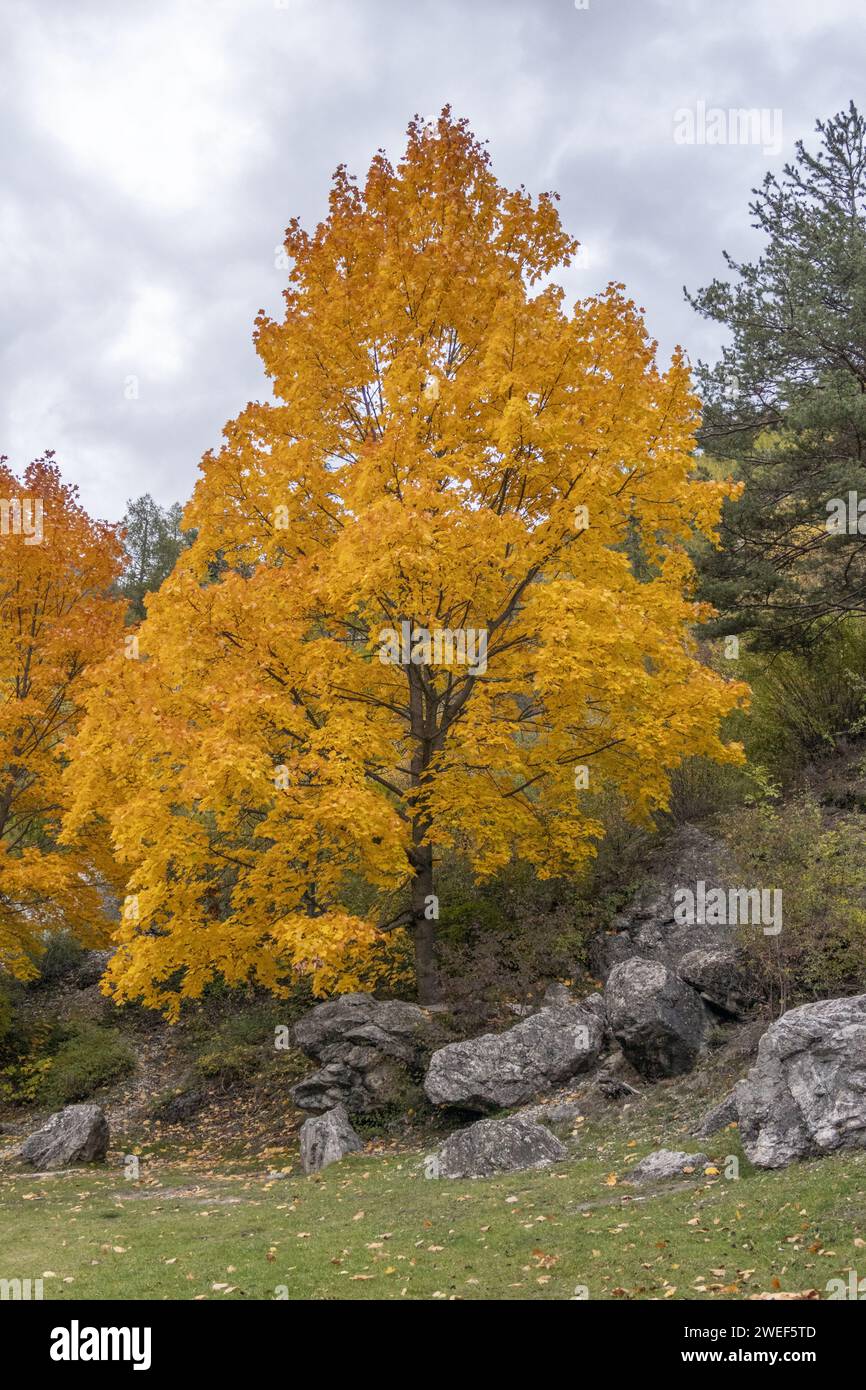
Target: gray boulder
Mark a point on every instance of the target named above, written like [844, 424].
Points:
[719, 978]
[499, 1070]
[659, 1022]
[594, 1004]
[326, 1139]
[721, 1115]
[372, 1053]
[389, 1027]
[78, 1134]
[806, 1094]
[497, 1146]
[668, 1163]
[363, 1086]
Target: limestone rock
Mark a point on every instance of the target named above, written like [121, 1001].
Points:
[806, 1094]
[78, 1134]
[498, 1070]
[721, 1115]
[719, 978]
[326, 1139]
[667, 1163]
[371, 1052]
[658, 1021]
[497, 1146]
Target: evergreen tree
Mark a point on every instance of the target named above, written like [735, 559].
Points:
[785, 407]
[153, 540]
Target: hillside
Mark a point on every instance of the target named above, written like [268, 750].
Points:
[203, 1194]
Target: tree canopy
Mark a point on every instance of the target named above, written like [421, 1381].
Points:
[57, 621]
[785, 406]
[439, 593]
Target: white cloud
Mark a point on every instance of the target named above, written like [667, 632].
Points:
[152, 340]
[155, 152]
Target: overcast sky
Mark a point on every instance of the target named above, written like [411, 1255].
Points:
[154, 152]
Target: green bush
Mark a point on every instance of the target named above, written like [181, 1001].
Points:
[701, 788]
[62, 957]
[230, 1066]
[233, 1049]
[805, 705]
[23, 1049]
[87, 1058]
[821, 948]
[6, 1018]
[21, 1080]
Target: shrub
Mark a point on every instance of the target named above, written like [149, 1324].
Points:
[507, 937]
[87, 1058]
[63, 956]
[6, 1018]
[821, 948]
[21, 1081]
[701, 788]
[805, 704]
[230, 1066]
[232, 1050]
[23, 1059]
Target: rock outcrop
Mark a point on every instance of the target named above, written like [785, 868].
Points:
[806, 1094]
[373, 1053]
[658, 1021]
[719, 978]
[498, 1070]
[647, 927]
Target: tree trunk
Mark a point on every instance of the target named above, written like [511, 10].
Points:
[423, 727]
[424, 928]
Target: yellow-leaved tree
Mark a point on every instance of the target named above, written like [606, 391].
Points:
[439, 593]
[57, 618]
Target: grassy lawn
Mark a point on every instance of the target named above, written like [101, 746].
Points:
[374, 1227]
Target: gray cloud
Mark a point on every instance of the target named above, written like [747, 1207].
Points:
[154, 152]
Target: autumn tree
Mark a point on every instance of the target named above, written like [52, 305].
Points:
[452, 600]
[56, 621]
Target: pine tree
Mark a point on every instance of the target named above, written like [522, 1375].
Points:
[153, 540]
[785, 406]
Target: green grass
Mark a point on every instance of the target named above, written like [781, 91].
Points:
[374, 1227]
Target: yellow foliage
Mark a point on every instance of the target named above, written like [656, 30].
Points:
[56, 567]
[449, 451]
